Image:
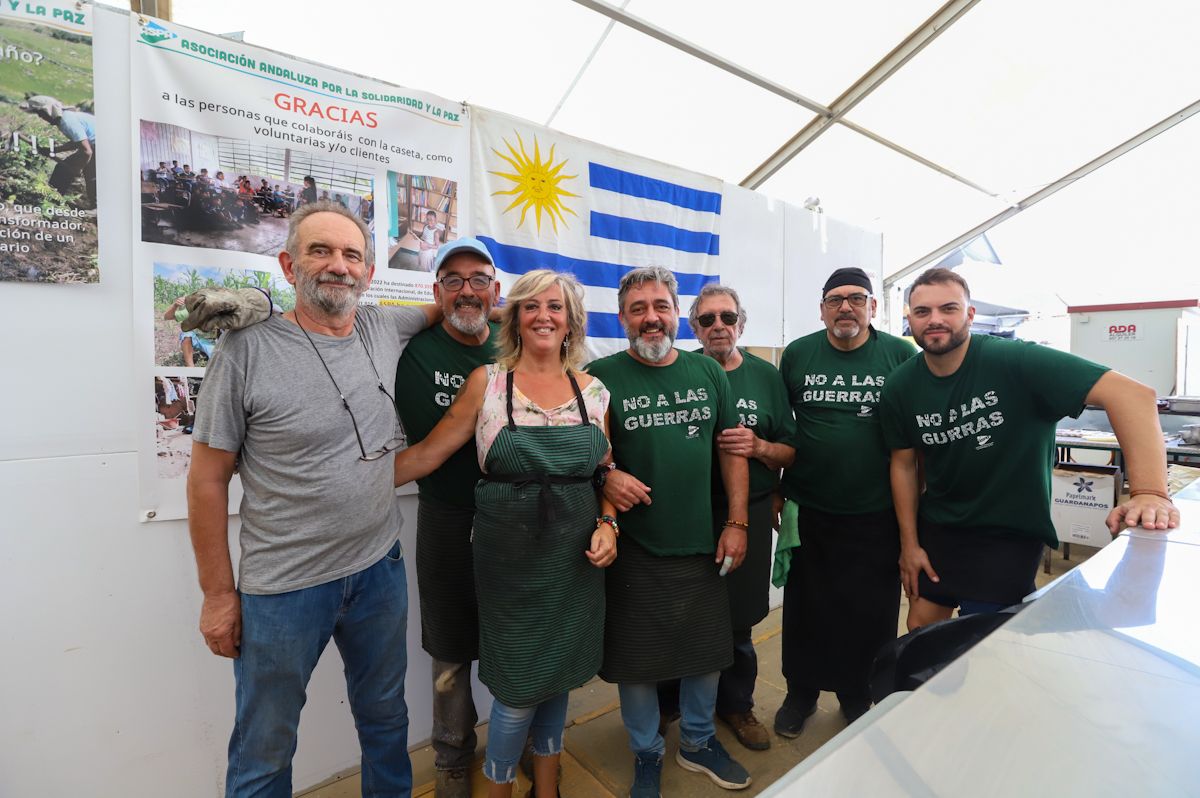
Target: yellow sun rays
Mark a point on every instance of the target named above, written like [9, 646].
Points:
[536, 184]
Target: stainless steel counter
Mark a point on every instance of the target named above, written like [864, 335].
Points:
[1094, 690]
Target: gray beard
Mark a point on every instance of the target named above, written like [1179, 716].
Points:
[652, 353]
[838, 332]
[467, 324]
[331, 303]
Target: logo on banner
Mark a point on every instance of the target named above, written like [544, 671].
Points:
[536, 183]
[153, 33]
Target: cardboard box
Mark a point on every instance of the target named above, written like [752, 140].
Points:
[1081, 497]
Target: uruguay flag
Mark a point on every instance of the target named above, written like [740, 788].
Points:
[544, 200]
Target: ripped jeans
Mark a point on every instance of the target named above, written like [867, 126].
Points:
[508, 728]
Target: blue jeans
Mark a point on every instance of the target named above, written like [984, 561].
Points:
[199, 343]
[735, 691]
[283, 636]
[509, 726]
[697, 700]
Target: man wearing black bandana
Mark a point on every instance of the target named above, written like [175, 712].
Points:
[842, 591]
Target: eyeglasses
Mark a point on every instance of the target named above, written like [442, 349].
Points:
[399, 438]
[728, 318]
[833, 301]
[454, 282]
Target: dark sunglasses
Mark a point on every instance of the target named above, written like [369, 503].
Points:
[728, 318]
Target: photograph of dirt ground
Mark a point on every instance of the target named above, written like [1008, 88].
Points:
[216, 192]
[172, 282]
[47, 156]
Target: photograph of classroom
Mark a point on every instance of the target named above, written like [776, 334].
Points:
[200, 190]
[424, 216]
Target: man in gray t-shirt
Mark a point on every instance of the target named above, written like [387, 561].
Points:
[299, 405]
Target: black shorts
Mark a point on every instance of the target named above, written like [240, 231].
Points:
[977, 564]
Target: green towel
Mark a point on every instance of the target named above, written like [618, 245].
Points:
[789, 538]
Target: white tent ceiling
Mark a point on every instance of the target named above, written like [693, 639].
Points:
[1010, 96]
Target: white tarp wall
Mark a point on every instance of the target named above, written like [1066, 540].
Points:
[106, 686]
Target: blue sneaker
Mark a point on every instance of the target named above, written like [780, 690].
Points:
[715, 762]
[647, 775]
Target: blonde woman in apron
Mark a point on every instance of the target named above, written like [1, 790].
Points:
[542, 533]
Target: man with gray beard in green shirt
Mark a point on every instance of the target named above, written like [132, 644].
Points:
[842, 596]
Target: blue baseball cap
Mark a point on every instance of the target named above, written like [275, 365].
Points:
[452, 248]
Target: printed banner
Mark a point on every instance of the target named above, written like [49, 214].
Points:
[48, 144]
[229, 140]
[545, 200]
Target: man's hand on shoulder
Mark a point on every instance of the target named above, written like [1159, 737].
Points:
[214, 309]
[221, 623]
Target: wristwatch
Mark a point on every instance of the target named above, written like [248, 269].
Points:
[600, 475]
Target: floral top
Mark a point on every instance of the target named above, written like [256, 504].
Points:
[493, 414]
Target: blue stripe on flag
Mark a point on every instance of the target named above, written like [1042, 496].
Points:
[635, 231]
[635, 185]
[518, 260]
[608, 325]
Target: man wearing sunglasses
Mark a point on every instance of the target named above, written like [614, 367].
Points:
[842, 595]
[434, 366]
[763, 436]
[299, 405]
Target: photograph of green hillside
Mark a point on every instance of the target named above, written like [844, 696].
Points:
[47, 155]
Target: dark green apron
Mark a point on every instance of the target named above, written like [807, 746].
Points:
[541, 601]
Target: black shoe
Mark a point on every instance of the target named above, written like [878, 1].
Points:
[789, 720]
[854, 706]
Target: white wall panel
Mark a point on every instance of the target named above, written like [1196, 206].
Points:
[814, 246]
[752, 260]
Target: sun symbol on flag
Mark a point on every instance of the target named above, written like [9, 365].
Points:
[536, 183]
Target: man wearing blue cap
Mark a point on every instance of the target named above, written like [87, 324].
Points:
[431, 370]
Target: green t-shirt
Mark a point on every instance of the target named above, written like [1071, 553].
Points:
[841, 464]
[761, 403]
[987, 431]
[431, 370]
[663, 422]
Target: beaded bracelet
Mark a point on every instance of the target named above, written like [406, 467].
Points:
[740, 524]
[612, 522]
